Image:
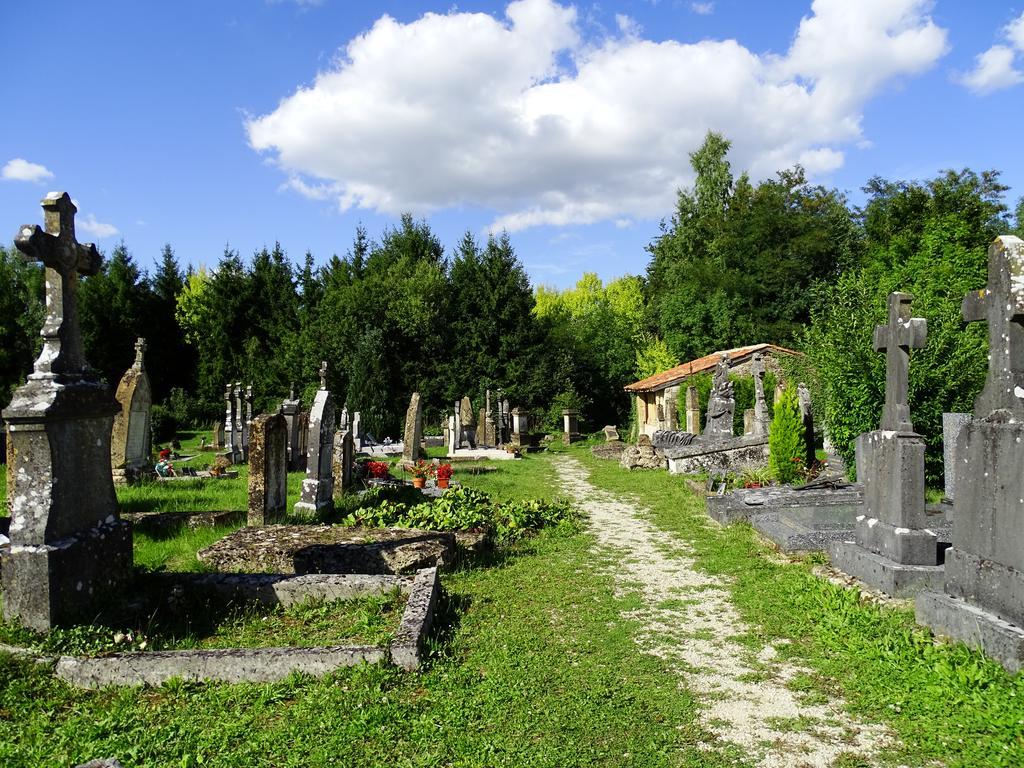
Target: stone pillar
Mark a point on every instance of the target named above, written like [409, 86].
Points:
[68, 548]
[692, 411]
[268, 469]
[453, 433]
[749, 421]
[761, 422]
[570, 425]
[803, 395]
[357, 431]
[318, 485]
[672, 408]
[469, 424]
[412, 449]
[952, 425]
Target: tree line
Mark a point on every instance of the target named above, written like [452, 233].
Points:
[781, 261]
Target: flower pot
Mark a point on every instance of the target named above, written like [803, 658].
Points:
[442, 483]
[419, 482]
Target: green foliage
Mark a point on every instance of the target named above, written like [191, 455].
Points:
[929, 240]
[163, 424]
[464, 509]
[652, 357]
[734, 264]
[786, 439]
[21, 317]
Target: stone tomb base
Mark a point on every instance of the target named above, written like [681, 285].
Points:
[973, 626]
[839, 504]
[881, 573]
[262, 665]
[57, 583]
[732, 455]
[301, 549]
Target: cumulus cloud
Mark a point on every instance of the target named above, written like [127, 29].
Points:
[525, 117]
[97, 229]
[994, 69]
[20, 169]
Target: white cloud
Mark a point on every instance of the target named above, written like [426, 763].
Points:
[993, 71]
[702, 9]
[97, 229]
[524, 117]
[1014, 32]
[19, 169]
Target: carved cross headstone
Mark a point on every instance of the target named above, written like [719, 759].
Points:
[64, 258]
[323, 374]
[901, 334]
[140, 354]
[1001, 304]
[761, 421]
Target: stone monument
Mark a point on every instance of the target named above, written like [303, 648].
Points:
[570, 425]
[411, 448]
[952, 425]
[692, 411]
[131, 442]
[341, 466]
[68, 547]
[761, 420]
[268, 469]
[357, 431]
[894, 550]
[318, 484]
[982, 603]
[465, 413]
[290, 409]
[721, 403]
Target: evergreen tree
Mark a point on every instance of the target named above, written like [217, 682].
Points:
[786, 444]
[21, 319]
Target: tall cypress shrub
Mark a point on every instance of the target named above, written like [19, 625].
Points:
[786, 439]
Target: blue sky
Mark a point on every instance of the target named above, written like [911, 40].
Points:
[246, 122]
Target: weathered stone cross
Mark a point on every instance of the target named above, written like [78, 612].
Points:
[896, 339]
[140, 351]
[64, 258]
[323, 374]
[1001, 303]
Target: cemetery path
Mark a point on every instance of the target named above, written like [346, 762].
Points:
[687, 619]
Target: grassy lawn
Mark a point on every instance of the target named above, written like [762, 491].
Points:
[533, 666]
[946, 703]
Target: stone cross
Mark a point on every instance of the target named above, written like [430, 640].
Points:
[64, 258]
[140, 352]
[761, 421]
[1001, 304]
[901, 334]
[323, 374]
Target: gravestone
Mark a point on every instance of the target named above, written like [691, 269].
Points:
[803, 397]
[952, 425]
[68, 548]
[894, 550]
[218, 435]
[318, 484]
[290, 409]
[982, 602]
[692, 411]
[520, 421]
[453, 433]
[672, 408]
[357, 431]
[130, 439]
[411, 448]
[237, 438]
[570, 425]
[268, 469]
[721, 403]
[760, 419]
[468, 423]
[303, 447]
[611, 433]
[341, 461]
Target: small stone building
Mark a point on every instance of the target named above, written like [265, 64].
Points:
[657, 396]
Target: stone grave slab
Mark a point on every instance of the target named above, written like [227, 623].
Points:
[328, 549]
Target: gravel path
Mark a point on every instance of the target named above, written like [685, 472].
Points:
[689, 620]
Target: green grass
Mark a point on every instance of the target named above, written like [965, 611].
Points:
[533, 666]
[947, 703]
[178, 552]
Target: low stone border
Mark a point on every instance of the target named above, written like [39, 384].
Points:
[263, 665]
[159, 523]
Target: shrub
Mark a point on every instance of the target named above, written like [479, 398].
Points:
[163, 424]
[786, 440]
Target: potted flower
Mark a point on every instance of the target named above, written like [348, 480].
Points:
[421, 470]
[443, 473]
[378, 470]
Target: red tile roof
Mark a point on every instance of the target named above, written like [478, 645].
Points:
[675, 375]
